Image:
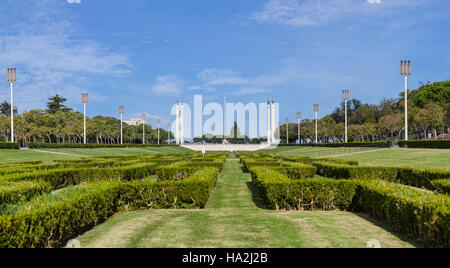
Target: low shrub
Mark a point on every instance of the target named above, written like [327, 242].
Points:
[433, 144]
[53, 223]
[281, 192]
[379, 144]
[9, 145]
[177, 171]
[11, 193]
[33, 145]
[296, 171]
[422, 178]
[59, 178]
[442, 186]
[409, 210]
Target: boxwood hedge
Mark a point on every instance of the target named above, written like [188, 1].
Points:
[434, 144]
[51, 224]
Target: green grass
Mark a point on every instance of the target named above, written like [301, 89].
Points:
[236, 216]
[420, 158]
[8, 156]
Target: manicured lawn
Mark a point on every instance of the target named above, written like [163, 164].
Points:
[236, 217]
[420, 158]
[8, 156]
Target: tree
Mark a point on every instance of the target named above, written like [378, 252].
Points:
[5, 108]
[55, 105]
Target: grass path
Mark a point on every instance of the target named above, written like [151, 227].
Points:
[235, 217]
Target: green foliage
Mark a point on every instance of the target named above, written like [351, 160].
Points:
[55, 105]
[407, 176]
[442, 186]
[438, 92]
[434, 144]
[296, 171]
[281, 192]
[408, 210]
[33, 145]
[9, 145]
[177, 171]
[54, 222]
[378, 144]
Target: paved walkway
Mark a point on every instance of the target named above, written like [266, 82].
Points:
[227, 147]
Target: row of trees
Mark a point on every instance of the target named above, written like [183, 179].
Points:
[59, 124]
[428, 117]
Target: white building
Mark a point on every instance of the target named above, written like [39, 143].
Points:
[133, 122]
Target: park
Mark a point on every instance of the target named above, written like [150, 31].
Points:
[101, 149]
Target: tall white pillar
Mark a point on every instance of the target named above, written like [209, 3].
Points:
[182, 124]
[273, 122]
[177, 123]
[269, 133]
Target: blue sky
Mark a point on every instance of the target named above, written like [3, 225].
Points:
[147, 54]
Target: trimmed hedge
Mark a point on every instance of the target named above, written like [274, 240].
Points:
[412, 211]
[434, 144]
[297, 171]
[177, 171]
[33, 145]
[442, 186]
[281, 192]
[409, 210]
[9, 145]
[59, 178]
[422, 178]
[384, 144]
[54, 223]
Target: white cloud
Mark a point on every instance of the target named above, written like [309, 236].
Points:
[214, 77]
[319, 12]
[74, 1]
[249, 91]
[50, 59]
[168, 85]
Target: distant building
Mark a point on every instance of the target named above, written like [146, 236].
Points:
[133, 122]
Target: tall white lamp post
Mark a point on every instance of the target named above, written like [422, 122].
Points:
[405, 70]
[11, 80]
[121, 112]
[299, 117]
[316, 110]
[274, 123]
[346, 97]
[159, 123]
[143, 128]
[84, 99]
[287, 130]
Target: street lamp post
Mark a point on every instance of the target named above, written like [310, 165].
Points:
[269, 124]
[84, 99]
[143, 128]
[405, 70]
[121, 111]
[287, 130]
[346, 97]
[299, 117]
[11, 80]
[159, 123]
[316, 110]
